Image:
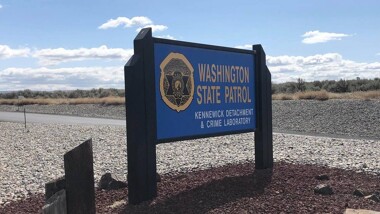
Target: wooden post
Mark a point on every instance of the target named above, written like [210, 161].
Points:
[141, 146]
[79, 175]
[264, 130]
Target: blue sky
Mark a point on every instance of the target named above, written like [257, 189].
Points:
[54, 44]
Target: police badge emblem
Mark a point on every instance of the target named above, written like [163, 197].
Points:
[177, 81]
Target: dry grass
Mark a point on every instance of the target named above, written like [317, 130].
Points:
[312, 95]
[308, 95]
[324, 95]
[363, 95]
[76, 101]
[282, 96]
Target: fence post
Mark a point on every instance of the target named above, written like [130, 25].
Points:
[25, 117]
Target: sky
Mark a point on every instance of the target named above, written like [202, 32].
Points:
[66, 44]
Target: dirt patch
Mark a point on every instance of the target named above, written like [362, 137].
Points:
[287, 188]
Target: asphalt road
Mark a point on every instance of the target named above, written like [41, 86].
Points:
[74, 120]
[57, 119]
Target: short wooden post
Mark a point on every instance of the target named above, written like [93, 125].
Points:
[79, 175]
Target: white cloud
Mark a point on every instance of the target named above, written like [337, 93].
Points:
[313, 37]
[59, 55]
[167, 37]
[330, 66]
[249, 47]
[7, 52]
[126, 22]
[61, 78]
[155, 28]
[1, 6]
[137, 21]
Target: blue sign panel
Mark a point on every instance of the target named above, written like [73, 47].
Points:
[202, 91]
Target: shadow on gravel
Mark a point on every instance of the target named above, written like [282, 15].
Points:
[210, 195]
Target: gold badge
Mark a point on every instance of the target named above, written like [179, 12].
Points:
[177, 81]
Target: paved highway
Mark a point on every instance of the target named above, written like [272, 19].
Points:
[58, 119]
[74, 120]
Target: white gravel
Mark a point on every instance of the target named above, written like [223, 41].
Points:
[29, 159]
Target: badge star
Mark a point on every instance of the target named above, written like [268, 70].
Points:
[183, 92]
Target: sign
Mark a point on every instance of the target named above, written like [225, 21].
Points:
[201, 91]
[177, 90]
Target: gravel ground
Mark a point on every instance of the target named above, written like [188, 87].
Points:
[30, 158]
[287, 188]
[355, 118]
[351, 118]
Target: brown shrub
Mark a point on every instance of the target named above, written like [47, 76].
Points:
[103, 101]
[360, 95]
[324, 95]
[282, 96]
[74, 101]
[312, 95]
[308, 95]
